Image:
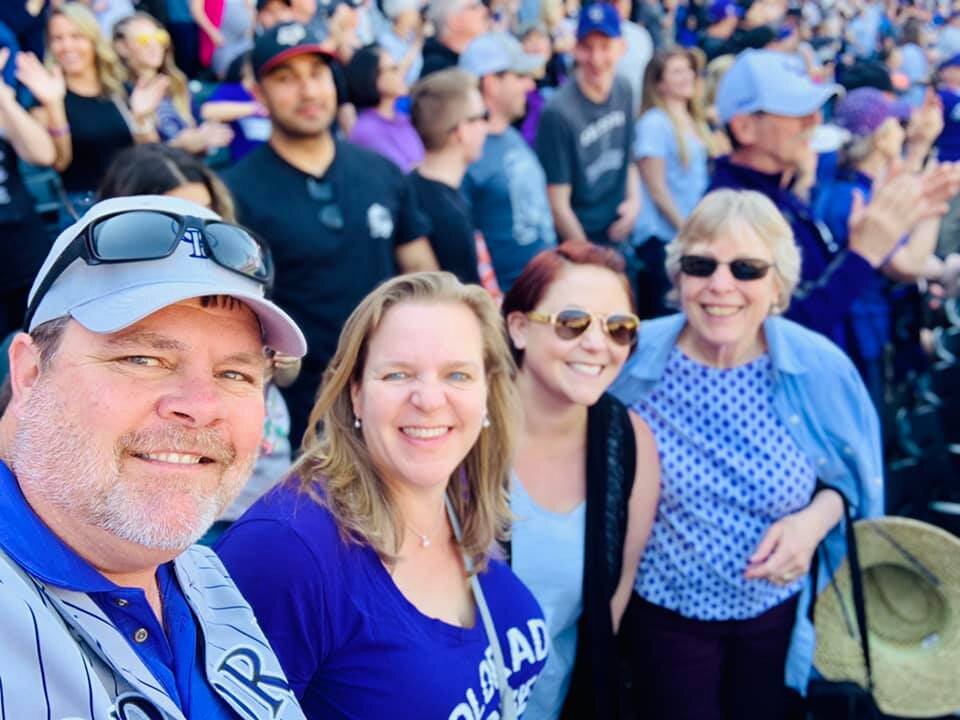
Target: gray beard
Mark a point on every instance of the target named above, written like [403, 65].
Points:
[52, 456]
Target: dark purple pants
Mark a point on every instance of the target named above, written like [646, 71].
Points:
[684, 669]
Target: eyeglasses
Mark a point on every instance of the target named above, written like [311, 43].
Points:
[330, 215]
[479, 117]
[569, 324]
[158, 36]
[702, 266]
[141, 235]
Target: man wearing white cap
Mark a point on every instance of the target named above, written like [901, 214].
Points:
[770, 110]
[506, 187]
[137, 407]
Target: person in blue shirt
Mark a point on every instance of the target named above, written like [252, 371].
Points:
[948, 146]
[770, 111]
[763, 429]
[135, 417]
[875, 148]
[371, 568]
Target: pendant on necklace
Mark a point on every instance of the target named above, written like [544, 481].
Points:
[424, 541]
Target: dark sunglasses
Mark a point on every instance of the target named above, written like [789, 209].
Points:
[484, 117]
[141, 235]
[569, 324]
[330, 216]
[702, 266]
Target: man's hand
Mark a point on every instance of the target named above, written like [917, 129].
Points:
[622, 227]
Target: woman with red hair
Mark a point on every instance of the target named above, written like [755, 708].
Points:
[583, 507]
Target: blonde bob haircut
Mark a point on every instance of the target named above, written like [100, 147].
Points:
[336, 469]
[725, 211]
[110, 71]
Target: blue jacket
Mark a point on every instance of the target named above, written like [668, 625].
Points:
[821, 400]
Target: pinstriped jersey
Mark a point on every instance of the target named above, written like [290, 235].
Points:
[61, 658]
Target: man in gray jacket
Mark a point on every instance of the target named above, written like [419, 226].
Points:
[136, 412]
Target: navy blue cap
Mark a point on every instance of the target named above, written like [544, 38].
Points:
[720, 10]
[598, 17]
[282, 42]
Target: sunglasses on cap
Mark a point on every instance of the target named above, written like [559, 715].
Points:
[141, 235]
[702, 266]
[569, 324]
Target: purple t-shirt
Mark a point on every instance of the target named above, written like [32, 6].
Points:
[351, 645]
[394, 138]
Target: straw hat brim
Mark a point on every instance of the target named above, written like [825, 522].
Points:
[911, 574]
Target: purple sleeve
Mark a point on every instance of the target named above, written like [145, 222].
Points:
[281, 578]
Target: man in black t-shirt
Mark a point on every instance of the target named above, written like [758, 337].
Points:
[449, 116]
[339, 219]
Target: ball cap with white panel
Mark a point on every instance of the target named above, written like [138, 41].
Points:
[111, 296]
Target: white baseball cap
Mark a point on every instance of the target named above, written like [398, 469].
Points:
[107, 297]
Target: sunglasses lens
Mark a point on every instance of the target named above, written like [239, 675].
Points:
[571, 323]
[236, 249]
[622, 329]
[135, 236]
[697, 265]
[748, 269]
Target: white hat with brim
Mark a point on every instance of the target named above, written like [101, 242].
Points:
[772, 82]
[911, 581]
[108, 297]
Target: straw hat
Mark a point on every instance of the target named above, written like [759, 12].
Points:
[911, 585]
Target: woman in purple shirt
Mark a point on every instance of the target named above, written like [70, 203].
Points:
[375, 82]
[377, 605]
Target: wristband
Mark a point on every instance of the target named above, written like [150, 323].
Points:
[59, 132]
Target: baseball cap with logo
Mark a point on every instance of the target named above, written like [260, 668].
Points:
[772, 82]
[598, 17]
[282, 42]
[496, 52]
[107, 296]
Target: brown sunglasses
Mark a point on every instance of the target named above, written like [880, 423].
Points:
[569, 324]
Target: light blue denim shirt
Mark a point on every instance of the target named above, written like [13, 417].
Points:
[820, 398]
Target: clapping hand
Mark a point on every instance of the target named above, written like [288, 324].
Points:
[147, 95]
[47, 86]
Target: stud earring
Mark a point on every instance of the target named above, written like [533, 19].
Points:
[357, 423]
[486, 422]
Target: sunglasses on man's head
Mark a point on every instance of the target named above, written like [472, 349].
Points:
[572, 323]
[702, 266]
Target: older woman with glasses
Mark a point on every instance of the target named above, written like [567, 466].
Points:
[370, 570]
[583, 504]
[763, 431]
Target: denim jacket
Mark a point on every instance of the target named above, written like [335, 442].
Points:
[818, 395]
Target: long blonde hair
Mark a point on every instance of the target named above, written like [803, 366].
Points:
[179, 91]
[110, 71]
[652, 77]
[336, 468]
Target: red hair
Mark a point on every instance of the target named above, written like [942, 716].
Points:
[542, 271]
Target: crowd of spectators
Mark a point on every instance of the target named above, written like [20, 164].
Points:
[784, 173]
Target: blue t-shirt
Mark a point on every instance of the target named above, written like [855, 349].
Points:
[350, 643]
[948, 144]
[655, 137]
[729, 470]
[507, 192]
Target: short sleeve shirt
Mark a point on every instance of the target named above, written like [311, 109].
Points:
[729, 470]
[586, 145]
[686, 181]
[350, 642]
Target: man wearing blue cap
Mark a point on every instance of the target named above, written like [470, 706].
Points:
[770, 111]
[585, 136]
[136, 414]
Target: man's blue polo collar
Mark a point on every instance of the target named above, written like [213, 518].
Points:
[37, 549]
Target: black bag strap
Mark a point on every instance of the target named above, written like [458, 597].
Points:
[856, 586]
